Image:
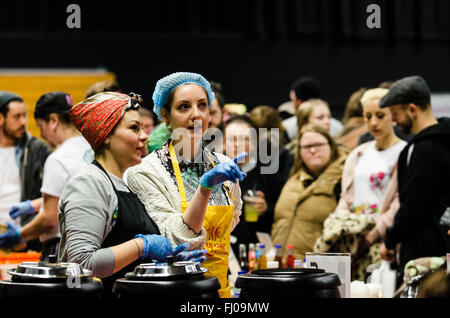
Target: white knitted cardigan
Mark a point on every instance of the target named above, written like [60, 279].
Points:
[155, 188]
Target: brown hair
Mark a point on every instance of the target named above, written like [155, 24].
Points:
[265, 116]
[216, 87]
[354, 106]
[305, 110]
[386, 84]
[104, 86]
[298, 162]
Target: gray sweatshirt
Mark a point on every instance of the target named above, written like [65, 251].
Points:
[85, 212]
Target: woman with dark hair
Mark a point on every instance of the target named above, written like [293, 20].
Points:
[104, 227]
[311, 192]
[217, 105]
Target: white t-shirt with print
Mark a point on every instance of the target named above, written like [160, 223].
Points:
[371, 177]
[60, 166]
[9, 183]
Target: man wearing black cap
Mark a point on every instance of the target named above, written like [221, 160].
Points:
[73, 151]
[22, 158]
[420, 225]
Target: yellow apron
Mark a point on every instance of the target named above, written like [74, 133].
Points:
[217, 224]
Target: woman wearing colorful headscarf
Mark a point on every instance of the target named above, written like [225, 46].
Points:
[191, 193]
[104, 227]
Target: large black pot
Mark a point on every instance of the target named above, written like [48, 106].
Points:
[50, 279]
[292, 283]
[181, 280]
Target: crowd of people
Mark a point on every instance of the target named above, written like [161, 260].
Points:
[115, 184]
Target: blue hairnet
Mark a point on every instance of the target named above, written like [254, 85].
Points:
[166, 85]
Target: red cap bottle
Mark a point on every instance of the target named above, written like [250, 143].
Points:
[290, 257]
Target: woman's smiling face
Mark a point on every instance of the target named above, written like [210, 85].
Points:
[128, 140]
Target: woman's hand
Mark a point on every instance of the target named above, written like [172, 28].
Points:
[387, 255]
[21, 209]
[11, 237]
[158, 247]
[223, 172]
[181, 253]
[259, 202]
[155, 247]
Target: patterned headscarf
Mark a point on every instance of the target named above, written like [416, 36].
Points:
[96, 116]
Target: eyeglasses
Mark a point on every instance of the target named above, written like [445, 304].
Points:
[317, 146]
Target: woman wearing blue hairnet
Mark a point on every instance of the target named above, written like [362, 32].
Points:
[190, 192]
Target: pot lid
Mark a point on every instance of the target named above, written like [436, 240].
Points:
[45, 270]
[291, 278]
[284, 272]
[166, 270]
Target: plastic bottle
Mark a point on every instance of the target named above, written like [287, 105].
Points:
[278, 257]
[290, 257]
[257, 253]
[262, 261]
[252, 265]
[243, 260]
[388, 279]
[236, 292]
[250, 212]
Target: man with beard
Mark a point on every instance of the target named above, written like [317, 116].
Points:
[22, 158]
[422, 221]
[72, 152]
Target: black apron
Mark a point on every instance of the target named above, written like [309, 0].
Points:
[129, 219]
[50, 247]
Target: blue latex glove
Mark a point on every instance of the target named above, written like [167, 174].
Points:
[11, 237]
[181, 253]
[21, 208]
[155, 247]
[222, 172]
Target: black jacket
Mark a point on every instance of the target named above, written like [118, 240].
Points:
[32, 159]
[424, 192]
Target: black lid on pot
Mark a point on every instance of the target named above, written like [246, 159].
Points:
[50, 279]
[288, 279]
[159, 280]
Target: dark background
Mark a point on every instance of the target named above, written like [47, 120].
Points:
[255, 48]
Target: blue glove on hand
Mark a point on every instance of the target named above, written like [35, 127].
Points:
[155, 247]
[21, 208]
[222, 172]
[11, 237]
[181, 253]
